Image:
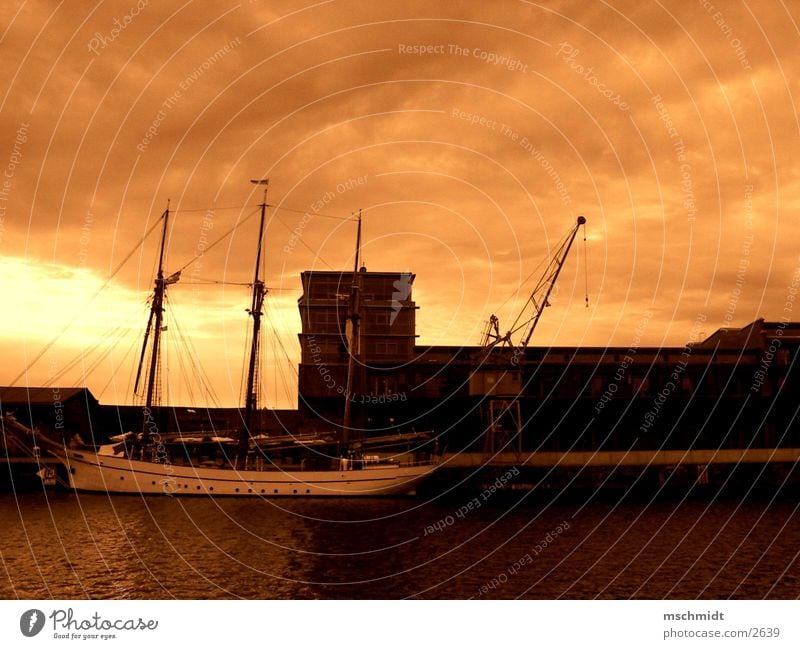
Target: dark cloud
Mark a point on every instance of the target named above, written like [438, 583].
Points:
[480, 132]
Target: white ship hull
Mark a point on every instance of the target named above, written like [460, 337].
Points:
[89, 471]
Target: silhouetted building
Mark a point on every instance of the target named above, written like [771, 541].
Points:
[736, 389]
[55, 411]
[387, 317]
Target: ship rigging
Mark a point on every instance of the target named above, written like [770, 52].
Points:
[252, 464]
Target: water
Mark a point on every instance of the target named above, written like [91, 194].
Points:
[62, 545]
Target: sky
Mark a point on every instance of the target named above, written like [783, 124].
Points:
[470, 134]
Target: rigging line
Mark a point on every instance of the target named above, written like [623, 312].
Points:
[73, 362]
[278, 342]
[267, 373]
[209, 282]
[93, 366]
[130, 391]
[300, 239]
[286, 388]
[126, 355]
[177, 349]
[184, 375]
[290, 395]
[203, 379]
[116, 332]
[279, 364]
[198, 372]
[287, 358]
[243, 375]
[312, 213]
[82, 310]
[88, 365]
[271, 322]
[219, 240]
[276, 207]
[213, 209]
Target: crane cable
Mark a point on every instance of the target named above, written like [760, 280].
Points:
[585, 266]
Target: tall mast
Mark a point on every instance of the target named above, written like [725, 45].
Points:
[255, 310]
[353, 348]
[157, 316]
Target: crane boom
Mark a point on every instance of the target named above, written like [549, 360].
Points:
[539, 299]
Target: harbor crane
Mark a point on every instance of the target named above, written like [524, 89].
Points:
[501, 387]
[526, 322]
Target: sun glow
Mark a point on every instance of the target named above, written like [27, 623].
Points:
[91, 330]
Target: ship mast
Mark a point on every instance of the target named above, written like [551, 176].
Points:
[353, 347]
[157, 317]
[255, 311]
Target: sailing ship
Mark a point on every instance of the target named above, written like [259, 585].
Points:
[248, 463]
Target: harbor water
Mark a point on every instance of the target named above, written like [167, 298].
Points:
[68, 546]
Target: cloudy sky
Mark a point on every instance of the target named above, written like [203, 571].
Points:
[471, 134]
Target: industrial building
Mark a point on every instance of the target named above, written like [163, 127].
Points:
[736, 389]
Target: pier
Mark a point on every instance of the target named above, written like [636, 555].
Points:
[610, 459]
